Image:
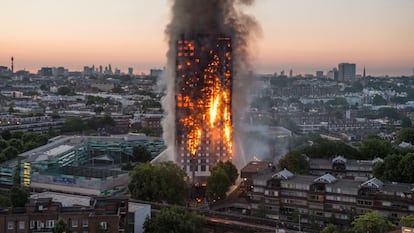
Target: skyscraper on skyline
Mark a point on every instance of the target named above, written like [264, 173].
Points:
[346, 72]
[203, 94]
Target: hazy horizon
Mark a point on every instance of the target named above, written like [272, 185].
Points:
[301, 35]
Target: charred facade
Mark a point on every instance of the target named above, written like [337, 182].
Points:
[203, 97]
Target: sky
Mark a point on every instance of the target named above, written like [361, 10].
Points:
[302, 35]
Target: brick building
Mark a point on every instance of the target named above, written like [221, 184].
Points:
[40, 215]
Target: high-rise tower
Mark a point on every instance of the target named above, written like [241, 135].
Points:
[346, 72]
[203, 95]
[12, 65]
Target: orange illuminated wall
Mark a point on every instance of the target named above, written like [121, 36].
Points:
[204, 75]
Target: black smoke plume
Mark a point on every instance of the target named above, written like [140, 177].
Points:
[191, 17]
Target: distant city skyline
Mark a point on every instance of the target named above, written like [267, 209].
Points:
[305, 36]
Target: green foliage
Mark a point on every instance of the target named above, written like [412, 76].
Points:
[117, 89]
[74, 124]
[295, 162]
[10, 153]
[217, 184]
[61, 227]
[141, 154]
[324, 148]
[407, 221]
[229, 168]
[379, 100]
[4, 201]
[64, 90]
[3, 144]
[330, 228]
[161, 183]
[406, 135]
[373, 147]
[406, 122]
[101, 122]
[390, 113]
[6, 135]
[406, 167]
[175, 220]
[18, 196]
[372, 222]
[389, 169]
[17, 144]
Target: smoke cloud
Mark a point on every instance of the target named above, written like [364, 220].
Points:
[191, 17]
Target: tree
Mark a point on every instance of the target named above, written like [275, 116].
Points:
[117, 89]
[324, 148]
[160, 183]
[389, 169]
[372, 222]
[406, 122]
[141, 154]
[18, 196]
[10, 153]
[217, 184]
[330, 228]
[295, 162]
[406, 135]
[406, 167]
[74, 124]
[390, 113]
[64, 91]
[231, 170]
[379, 100]
[6, 135]
[61, 227]
[407, 221]
[3, 144]
[174, 220]
[16, 143]
[373, 147]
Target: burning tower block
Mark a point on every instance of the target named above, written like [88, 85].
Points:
[203, 96]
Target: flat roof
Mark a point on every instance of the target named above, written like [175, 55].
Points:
[67, 200]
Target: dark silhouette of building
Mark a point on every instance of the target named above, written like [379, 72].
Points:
[346, 72]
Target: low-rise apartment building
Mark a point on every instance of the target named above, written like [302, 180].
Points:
[40, 215]
[317, 200]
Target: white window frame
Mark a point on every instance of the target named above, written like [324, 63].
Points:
[85, 222]
[104, 225]
[10, 225]
[21, 225]
[74, 223]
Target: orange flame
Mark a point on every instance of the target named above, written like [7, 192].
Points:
[212, 119]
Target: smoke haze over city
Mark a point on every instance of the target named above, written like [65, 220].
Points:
[301, 35]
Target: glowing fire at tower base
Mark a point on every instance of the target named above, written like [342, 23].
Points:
[203, 96]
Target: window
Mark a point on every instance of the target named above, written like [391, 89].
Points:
[32, 224]
[74, 223]
[104, 225]
[50, 223]
[85, 223]
[10, 225]
[21, 225]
